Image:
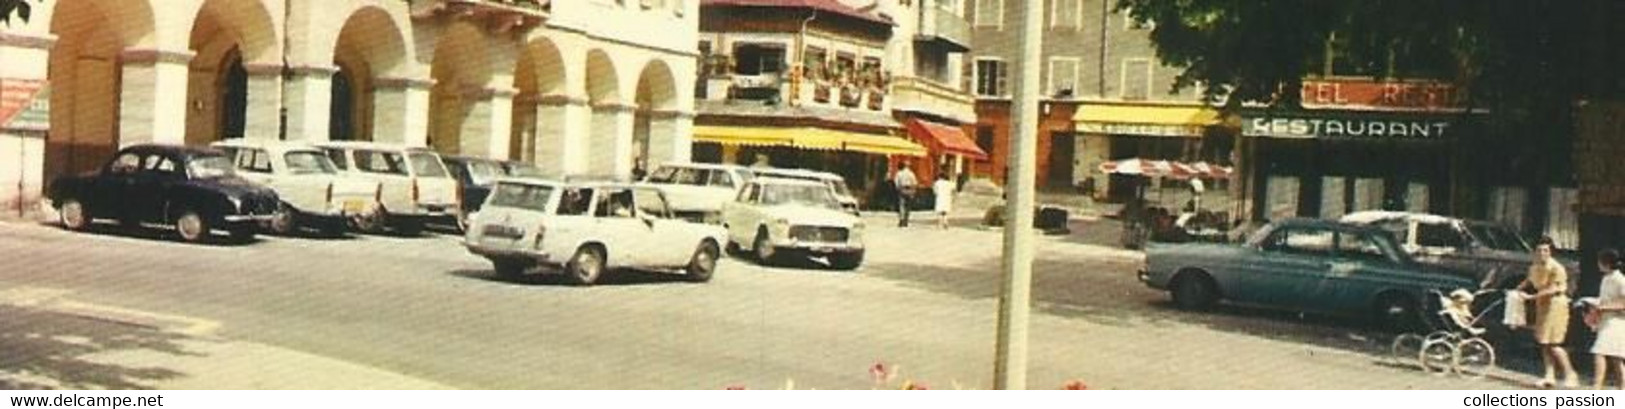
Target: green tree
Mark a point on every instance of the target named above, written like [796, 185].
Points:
[1526, 62]
[19, 8]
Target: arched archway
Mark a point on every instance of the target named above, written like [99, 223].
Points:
[655, 121]
[538, 110]
[234, 86]
[84, 72]
[369, 47]
[609, 141]
[461, 70]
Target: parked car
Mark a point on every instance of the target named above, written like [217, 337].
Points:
[1481, 250]
[698, 190]
[193, 189]
[313, 192]
[588, 229]
[474, 178]
[1302, 265]
[416, 187]
[779, 216]
[843, 194]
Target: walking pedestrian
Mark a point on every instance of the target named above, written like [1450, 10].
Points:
[1550, 281]
[944, 191]
[1608, 316]
[906, 185]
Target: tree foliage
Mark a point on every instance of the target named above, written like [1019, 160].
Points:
[19, 8]
[1526, 61]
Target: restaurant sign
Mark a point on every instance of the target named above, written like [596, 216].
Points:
[1304, 125]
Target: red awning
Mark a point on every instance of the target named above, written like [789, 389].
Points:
[830, 6]
[946, 138]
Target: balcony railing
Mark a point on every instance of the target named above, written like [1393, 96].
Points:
[943, 28]
[922, 95]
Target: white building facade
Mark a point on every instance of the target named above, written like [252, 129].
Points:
[578, 87]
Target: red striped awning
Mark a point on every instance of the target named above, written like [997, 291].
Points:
[945, 138]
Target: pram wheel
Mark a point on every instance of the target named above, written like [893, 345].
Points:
[1438, 356]
[1474, 357]
[1406, 348]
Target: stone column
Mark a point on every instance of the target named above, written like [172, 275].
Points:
[484, 130]
[308, 100]
[152, 105]
[561, 134]
[400, 110]
[610, 150]
[264, 114]
[670, 137]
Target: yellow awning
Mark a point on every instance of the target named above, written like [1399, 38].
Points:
[1147, 114]
[808, 138]
[744, 136]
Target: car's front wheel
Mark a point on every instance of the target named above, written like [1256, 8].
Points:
[704, 262]
[586, 266]
[1194, 292]
[283, 222]
[72, 215]
[192, 226]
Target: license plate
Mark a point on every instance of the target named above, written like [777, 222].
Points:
[354, 206]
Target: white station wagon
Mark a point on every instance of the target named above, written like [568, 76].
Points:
[777, 216]
[587, 229]
[313, 192]
[417, 188]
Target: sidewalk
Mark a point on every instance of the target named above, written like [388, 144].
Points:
[54, 343]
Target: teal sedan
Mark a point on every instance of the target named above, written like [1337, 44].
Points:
[1303, 265]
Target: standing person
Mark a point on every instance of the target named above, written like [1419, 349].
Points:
[906, 184]
[944, 191]
[1550, 281]
[1609, 349]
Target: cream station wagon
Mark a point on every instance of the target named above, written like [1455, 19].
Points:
[417, 188]
[586, 229]
[314, 194]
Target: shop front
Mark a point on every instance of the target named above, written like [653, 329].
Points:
[1327, 163]
[863, 157]
[1170, 132]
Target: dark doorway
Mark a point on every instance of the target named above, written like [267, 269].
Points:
[341, 114]
[1062, 153]
[233, 98]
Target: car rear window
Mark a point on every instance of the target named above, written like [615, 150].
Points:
[427, 165]
[521, 196]
[380, 162]
[308, 162]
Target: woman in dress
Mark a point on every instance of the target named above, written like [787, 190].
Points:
[1609, 311]
[944, 191]
[1550, 281]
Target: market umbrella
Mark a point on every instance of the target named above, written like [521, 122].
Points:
[1137, 166]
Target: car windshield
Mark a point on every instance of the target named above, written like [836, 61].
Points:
[806, 195]
[1499, 237]
[426, 164]
[209, 167]
[840, 187]
[309, 162]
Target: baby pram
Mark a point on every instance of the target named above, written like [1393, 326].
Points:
[1456, 344]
